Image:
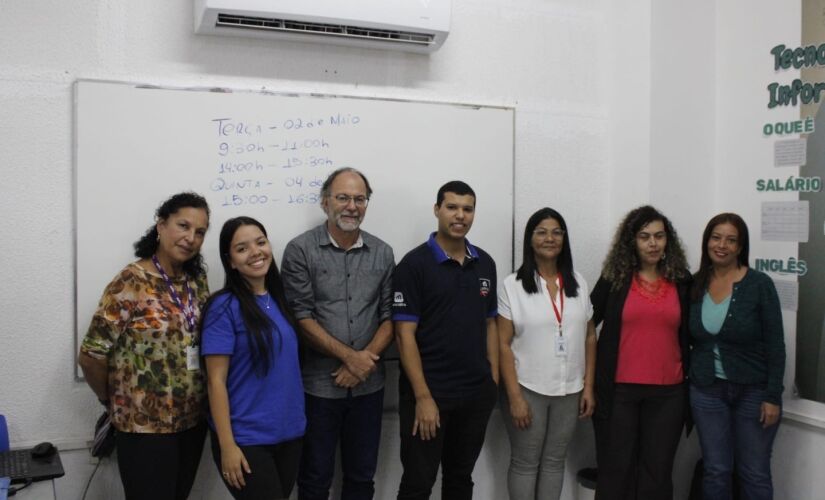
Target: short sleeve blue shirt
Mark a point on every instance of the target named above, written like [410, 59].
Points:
[265, 409]
[451, 302]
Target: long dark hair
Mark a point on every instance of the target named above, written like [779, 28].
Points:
[622, 261]
[258, 324]
[702, 276]
[564, 262]
[147, 245]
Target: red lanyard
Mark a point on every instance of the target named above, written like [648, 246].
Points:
[558, 310]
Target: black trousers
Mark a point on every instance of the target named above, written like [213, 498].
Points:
[636, 445]
[455, 447]
[274, 469]
[159, 466]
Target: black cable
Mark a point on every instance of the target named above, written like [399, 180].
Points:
[89, 482]
[13, 491]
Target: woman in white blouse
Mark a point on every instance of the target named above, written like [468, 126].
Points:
[547, 357]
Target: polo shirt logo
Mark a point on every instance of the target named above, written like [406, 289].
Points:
[484, 284]
[398, 298]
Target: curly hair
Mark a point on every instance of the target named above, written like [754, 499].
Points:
[147, 245]
[622, 262]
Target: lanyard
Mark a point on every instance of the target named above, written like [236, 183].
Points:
[188, 309]
[559, 311]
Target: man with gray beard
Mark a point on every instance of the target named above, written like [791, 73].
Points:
[338, 282]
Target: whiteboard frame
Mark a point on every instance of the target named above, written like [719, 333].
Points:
[78, 375]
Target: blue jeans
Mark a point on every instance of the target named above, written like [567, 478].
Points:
[356, 421]
[727, 419]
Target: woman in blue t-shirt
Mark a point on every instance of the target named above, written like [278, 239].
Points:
[250, 348]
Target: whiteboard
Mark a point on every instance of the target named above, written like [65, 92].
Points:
[265, 155]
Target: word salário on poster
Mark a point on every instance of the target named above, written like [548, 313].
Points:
[799, 144]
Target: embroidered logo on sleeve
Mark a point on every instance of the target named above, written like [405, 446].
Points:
[398, 300]
[484, 286]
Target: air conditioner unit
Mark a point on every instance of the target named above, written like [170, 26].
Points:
[409, 25]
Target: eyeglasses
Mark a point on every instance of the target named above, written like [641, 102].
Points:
[344, 199]
[542, 234]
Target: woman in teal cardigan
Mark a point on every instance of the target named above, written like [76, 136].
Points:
[737, 363]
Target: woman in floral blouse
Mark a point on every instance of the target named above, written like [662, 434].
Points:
[140, 354]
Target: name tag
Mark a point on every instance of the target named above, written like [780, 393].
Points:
[561, 347]
[193, 361]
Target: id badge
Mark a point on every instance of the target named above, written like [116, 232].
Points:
[561, 347]
[193, 358]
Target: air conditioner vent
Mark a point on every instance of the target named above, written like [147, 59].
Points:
[332, 30]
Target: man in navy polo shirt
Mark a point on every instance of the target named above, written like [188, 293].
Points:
[444, 308]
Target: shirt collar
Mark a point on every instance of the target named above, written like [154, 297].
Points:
[325, 238]
[441, 256]
[541, 280]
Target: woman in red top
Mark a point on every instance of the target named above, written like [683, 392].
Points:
[641, 300]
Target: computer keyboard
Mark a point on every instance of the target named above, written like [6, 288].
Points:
[15, 464]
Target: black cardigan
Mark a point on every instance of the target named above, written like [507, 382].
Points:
[751, 340]
[607, 308]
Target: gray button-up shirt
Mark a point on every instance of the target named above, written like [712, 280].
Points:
[349, 293]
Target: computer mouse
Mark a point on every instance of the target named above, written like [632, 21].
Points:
[43, 450]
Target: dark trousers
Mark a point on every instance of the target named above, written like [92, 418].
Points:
[356, 422]
[456, 445]
[159, 466]
[636, 445]
[274, 468]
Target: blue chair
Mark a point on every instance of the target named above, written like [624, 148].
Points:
[4, 434]
[4, 446]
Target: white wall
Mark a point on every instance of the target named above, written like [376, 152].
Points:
[744, 68]
[691, 144]
[629, 86]
[682, 96]
[711, 65]
[549, 59]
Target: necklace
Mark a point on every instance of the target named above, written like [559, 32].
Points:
[268, 298]
[651, 290]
